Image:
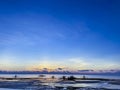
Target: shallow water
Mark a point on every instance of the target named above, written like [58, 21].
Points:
[60, 75]
[9, 89]
[94, 85]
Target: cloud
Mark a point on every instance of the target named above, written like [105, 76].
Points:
[59, 64]
[16, 38]
[29, 30]
[85, 70]
[22, 38]
[71, 64]
[10, 60]
[25, 30]
[59, 68]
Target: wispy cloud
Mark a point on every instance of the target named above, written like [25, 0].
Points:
[11, 62]
[29, 30]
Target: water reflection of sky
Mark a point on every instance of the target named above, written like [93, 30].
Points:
[92, 85]
[60, 75]
[9, 89]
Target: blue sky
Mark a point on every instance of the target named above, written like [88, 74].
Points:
[71, 34]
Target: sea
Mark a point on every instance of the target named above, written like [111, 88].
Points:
[60, 75]
[67, 75]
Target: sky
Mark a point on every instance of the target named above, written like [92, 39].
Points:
[67, 34]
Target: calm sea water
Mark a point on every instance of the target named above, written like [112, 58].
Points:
[9, 89]
[60, 75]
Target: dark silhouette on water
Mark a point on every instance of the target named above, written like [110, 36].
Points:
[71, 78]
[53, 77]
[84, 77]
[41, 75]
[15, 76]
[64, 77]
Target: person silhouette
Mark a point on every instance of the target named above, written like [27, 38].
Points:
[15, 76]
[84, 77]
